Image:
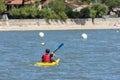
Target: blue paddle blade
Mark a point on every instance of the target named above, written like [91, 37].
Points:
[59, 47]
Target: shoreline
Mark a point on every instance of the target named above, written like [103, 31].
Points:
[55, 27]
[70, 24]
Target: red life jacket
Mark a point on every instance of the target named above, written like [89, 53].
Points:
[46, 58]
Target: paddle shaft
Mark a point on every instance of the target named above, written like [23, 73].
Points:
[58, 47]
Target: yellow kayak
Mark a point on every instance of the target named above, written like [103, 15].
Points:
[47, 63]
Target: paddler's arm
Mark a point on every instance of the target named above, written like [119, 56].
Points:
[52, 54]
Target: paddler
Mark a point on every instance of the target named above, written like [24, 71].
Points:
[47, 57]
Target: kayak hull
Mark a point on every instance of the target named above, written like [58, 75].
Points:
[47, 63]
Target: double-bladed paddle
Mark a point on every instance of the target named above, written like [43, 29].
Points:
[58, 47]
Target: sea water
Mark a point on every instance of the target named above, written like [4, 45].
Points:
[94, 58]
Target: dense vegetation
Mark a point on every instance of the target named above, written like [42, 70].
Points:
[59, 10]
[2, 6]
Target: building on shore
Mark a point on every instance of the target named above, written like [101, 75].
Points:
[17, 3]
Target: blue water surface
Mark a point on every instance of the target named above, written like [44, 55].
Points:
[96, 58]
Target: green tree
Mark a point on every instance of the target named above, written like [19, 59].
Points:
[62, 16]
[24, 12]
[14, 13]
[30, 11]
[47, 14]
[92, 15]
[112, 4]
[2, 6]
[58, 6]
[99, 9]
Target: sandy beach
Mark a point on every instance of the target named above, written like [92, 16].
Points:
[80, 24]
[50, 27]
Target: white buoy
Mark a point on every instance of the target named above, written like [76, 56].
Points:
[43, 44]
[41, 34]
[84, 36]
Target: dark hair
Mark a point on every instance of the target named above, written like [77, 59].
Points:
[47, 50]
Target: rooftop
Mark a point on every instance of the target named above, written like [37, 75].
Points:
[18, 2]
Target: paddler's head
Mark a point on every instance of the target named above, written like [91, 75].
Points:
[47, 51]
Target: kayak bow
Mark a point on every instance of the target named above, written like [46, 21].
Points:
[47, 63]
